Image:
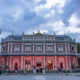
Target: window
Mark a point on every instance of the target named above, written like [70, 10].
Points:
[60, 47]
[72, 48]
[27, 47]
[49, 48]
[38, 48]
[3, 48]
[17, 48]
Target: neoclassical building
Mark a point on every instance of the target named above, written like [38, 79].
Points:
[38, 50]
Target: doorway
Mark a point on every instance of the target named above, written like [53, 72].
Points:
[16, 66]
[38, 67]
[61, 65]
[27, 65]
[50, 65]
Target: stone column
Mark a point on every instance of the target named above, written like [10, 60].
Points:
[70, 63]
[11, 47]
[19, 62]
[44, 48]
[7, 62]
[22, 47]
[44, 62]
[33, 47]
[76, 48]
[65, 47]
[54, 47]
[10, 62]
[69, 47]
[8, 48]
[3, 62]
[55, 63]
[67, 62]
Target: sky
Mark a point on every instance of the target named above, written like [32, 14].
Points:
[50, 16]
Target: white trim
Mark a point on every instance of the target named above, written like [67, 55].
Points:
[27, 43]
[22, 47]
[33, 47]
[8, 47]
[55, 47]
[11, 47]
[67, 62]
[68, 47]
[70, 63]
[65, 47]
[55, 63]
[44, 62]
[44, 47]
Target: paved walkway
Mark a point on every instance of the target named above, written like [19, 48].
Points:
[39, 77]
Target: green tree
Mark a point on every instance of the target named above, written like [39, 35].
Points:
[78, 47]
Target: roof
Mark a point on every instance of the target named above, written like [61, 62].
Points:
[38, 36]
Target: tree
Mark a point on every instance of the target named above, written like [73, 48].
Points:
[78, 47]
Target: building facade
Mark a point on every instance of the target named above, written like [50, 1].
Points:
[38, 50]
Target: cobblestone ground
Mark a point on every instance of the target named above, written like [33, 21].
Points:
[39, 77]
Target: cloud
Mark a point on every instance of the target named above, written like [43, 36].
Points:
[46, 15]
[74, 21]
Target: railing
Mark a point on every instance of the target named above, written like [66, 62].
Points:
[38, 54]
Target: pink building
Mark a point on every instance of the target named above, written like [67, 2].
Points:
[38, 51]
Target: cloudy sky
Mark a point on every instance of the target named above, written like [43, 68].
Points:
[59, 16]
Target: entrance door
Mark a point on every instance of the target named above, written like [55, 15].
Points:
[27, 65]
[16, 66]
[38, 67]
[38, 64]
[50, 65]
[61, 65]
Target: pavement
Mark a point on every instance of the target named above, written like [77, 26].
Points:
[41, 77]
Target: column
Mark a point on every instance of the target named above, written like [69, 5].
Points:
[10, 62]
[67, 62]
[44, 48]
[8, 48]
[54, 47]
[3, 62]
[7, 62]
[76, 48]
[70, 63]
[11, 47]
[65, 47]
[19, 62]
[22, 47]
[68, 47]
[44, 62]
[33, 47]
[55, 63]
